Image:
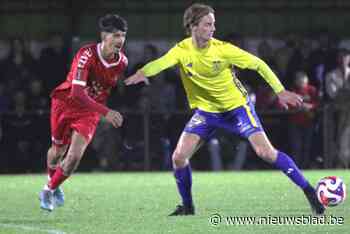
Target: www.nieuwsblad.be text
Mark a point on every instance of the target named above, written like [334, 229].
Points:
[217, 219]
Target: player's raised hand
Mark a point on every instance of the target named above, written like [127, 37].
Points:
[287, 98]
[115, 118]
[136, 78]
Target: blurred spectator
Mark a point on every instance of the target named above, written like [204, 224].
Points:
[338, 90]
[302, 123]
[19, 104]
[106, 145]
[236, 39]
[38, 106]
[132, 93]
[17, 133]
[159, 89]
[337, 80]
[214, 149]
[266, 53]
[251, 77]
[283, 56]
[298, 60]
[4, 99]
[153, 99]
[265, 98]
[18, 67]
[38, 100]
[322, 59]
[53, 59]
[172, 76]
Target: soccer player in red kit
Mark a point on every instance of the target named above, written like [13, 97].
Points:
[78, 103]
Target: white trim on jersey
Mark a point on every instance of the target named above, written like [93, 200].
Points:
[105, 63]
[56, 141]
[79, 82]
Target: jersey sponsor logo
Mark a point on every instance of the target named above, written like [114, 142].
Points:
[196, 120]
[84, 58]
[78, 75]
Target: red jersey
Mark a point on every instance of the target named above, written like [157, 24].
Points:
[91, 70]
[310, 96]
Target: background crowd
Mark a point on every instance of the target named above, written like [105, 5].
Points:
[315, 66]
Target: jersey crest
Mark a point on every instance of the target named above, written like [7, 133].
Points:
[216, 65]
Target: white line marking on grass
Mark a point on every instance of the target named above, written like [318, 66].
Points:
[29, 228]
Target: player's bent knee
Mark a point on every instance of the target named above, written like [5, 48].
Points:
[266, 154]
[179, 159]
[179, 163]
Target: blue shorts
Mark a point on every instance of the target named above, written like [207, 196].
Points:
[242, 121]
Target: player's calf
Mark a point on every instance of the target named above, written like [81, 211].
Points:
[71, 163]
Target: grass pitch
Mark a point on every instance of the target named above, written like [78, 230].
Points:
[140, 202]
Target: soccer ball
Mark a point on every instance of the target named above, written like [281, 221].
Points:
[331, 191]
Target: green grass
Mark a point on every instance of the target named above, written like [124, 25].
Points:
[140, 202]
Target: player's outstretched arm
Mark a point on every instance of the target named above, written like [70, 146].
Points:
[138, 77]
[287, 98]
[170, 59]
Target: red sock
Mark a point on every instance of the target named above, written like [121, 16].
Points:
[51, 171]
[57, 178]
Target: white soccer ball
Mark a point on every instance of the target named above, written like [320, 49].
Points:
[331, 191]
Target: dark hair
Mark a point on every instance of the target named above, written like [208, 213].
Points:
[112, 23]
[193, 15]
[341, 53]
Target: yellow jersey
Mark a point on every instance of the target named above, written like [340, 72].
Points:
[207, 75]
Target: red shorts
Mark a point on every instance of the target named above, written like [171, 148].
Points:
[66, 117]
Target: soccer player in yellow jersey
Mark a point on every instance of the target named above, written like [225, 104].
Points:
[219, 101]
